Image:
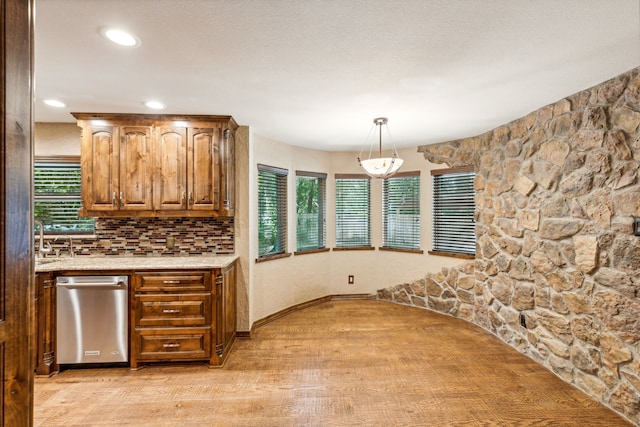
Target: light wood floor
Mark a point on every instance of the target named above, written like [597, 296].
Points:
[339, 363]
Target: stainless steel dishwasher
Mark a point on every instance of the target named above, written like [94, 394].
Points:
[92, 319]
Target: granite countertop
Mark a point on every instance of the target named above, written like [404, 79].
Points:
[133, 263]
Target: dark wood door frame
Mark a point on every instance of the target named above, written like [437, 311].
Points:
[16, 229]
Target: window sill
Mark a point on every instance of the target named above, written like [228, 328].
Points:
[407, 250]
[452, 254]
[272, 257]
[355, 248]
[311, 251]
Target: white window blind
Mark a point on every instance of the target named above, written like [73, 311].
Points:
[310, 210]
[353, 211]
[57, 197]
[272, 210]
[453, 211]
[401, 211]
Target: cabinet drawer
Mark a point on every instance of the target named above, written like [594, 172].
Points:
[173, 344]
[172, 310]
[172, 282]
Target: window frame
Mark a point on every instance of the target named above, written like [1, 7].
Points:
[469, 199]
[368, 244]
[281, 177]
[75, 197]
[322, 212]
[414, 244]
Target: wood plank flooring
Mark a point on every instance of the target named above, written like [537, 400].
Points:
[339, 363]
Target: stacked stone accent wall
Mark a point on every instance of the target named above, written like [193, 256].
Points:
[557, 268]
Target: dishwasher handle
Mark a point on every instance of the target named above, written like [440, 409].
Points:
[117, 282]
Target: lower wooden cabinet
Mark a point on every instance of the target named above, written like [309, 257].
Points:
[178, 315]
[182, 316]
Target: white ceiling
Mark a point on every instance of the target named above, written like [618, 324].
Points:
[314, 73]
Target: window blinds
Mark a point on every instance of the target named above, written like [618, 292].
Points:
[453, 211]
[401, 211]
[310, 210]
[272, 210]
[353, 211]
[57, 198]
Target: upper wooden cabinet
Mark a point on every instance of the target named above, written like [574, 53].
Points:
[157, 165]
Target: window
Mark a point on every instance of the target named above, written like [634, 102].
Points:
[272, 210]
[57, 196]
[401, 211]
[353, 211]
[453, 211]
[310, 210]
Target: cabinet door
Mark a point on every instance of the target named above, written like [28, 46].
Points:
[228, 179]
[170, 185]
[45, 313]
[226, 310]
[100, 151]
[229, 302]
[204, 168]
[136, 168]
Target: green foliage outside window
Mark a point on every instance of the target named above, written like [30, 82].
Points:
[57, 198]
[310, 211]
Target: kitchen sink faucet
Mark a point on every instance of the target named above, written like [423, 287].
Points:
[42, 250]
[71, 253]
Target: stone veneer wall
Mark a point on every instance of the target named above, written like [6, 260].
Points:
[557, 268]
[148, 237]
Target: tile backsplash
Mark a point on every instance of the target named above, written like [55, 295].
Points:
[153, 237]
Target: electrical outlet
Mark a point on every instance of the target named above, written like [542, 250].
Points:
[350, 279]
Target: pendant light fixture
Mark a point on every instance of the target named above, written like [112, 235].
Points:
[380, 167]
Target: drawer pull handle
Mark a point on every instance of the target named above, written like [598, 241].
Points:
[170, 282]
[169, 311]
[171, 345]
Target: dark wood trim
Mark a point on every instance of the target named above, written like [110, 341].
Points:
[311, 251]
[352, 176]
[311, 174]
[241, 335]
[17, 280]
[405, 174]
[303, 305]
[57, 159]
[152, 214]
[272, 257]
[352, 297]
[229, 120]
[355, 248]
[411, 251]
[451, 254]
[435, 172]
[273, 169]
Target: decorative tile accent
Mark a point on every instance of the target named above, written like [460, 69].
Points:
[148, 237]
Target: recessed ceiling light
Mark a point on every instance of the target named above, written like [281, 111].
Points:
[154, 105]
[54, 103]
[120, 37]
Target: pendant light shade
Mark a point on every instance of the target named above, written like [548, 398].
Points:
[380, 167]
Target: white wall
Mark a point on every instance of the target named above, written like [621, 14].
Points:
[56, 139]
[281, 283]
